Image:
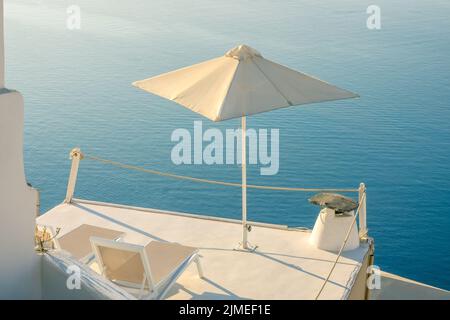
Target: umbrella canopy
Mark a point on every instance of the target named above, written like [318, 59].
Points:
[240, 83]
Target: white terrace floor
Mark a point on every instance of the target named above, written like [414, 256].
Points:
[284, 266]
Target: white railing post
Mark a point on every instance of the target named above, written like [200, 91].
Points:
[362, 210]
[76, 155]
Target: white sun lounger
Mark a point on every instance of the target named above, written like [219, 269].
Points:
[77, 241]
[153, 268]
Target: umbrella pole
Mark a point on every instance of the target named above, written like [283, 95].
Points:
[244, 184]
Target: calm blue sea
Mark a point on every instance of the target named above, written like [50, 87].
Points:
[395, 138]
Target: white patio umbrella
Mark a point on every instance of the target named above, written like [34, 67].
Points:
[238, 84]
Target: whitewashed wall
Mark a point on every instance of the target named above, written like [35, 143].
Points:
[20, 274]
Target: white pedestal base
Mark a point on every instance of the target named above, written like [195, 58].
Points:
[330, 230]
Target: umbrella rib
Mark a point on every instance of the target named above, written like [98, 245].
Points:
[226, 93]
[273, 84]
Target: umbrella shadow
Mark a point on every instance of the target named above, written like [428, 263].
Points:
[280, 255]
[296, 267]
[309, 258]
[270, 256]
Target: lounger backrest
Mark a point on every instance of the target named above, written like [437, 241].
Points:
[121, 262]
[115, 262]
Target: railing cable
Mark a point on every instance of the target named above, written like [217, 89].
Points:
[217, 182]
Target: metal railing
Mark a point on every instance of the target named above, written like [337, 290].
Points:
[76, 156]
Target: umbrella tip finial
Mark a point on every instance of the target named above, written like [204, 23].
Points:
[242, 52]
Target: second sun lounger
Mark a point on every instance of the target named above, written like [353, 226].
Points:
[77, 241]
